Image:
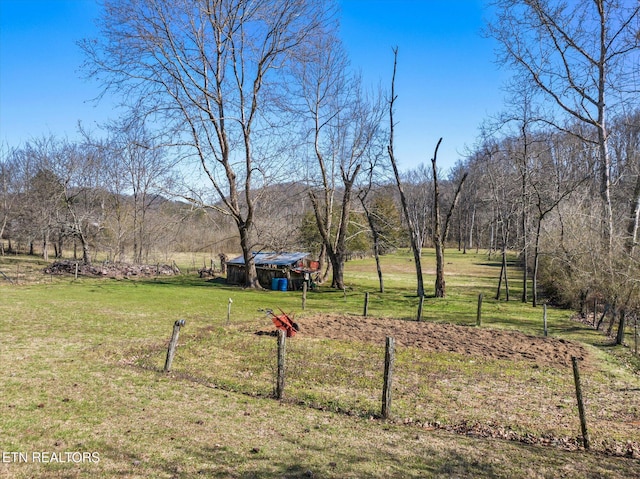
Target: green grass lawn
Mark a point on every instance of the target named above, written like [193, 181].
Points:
[82, 373]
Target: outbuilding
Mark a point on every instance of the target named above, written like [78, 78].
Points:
[278, 271]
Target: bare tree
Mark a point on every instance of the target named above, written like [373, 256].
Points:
[577, 54]
[211, 72]
[372, 211]
[440, 229]
[416, 244]
[344, 124]
[501, 177]
[64, 192]
[626, 164]
[11, 186]
[416, 184]
[79, 168]
[140, 169]
[551, 183]
[41, 203]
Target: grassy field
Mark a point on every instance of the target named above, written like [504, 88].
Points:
[84, 395]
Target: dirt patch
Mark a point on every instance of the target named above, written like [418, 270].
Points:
[436, 337]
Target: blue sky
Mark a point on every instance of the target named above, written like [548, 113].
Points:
[447, 82]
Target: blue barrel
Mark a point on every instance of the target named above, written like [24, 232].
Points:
[283, 285]
[275, 284]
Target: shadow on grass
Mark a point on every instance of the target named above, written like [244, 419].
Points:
[287, 459]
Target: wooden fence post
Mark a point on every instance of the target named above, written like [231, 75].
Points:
[366, 305]
[229, 310]
[172, 344]
[389, 357]
[583, 420]
[479, 313]
[544, 318]
[282, 342]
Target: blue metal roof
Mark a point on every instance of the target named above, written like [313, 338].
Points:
[276, 259]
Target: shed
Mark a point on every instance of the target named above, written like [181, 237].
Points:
[296, 267]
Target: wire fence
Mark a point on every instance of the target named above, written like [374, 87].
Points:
[516, 400]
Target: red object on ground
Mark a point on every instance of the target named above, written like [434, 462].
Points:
[285, 323]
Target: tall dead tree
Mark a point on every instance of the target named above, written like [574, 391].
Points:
[416, 245]
[440, 230]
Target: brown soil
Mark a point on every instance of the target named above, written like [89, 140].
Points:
[436, 337]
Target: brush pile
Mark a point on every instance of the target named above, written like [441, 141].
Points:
[110, 269]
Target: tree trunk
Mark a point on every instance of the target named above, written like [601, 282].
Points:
[86, 258]
[379, 268]
[634, 219]
[337, 264]
[506, 277]
[525, 276]
[614, 313]
[415, 246]
[417, 258]
[440, 231]
[473, 219]
[525, 250]
[621, 325]
[376, 242]
[536, 263]
[534, 286]
[251, 278]
[499, 292]
[438, 240]
[503, 273]
[605, 186]
[440, 283]
[45, 246]
[324, 264]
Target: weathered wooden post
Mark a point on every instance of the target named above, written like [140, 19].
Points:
[76, 275]
[544, 318]
[583, 420]
[479, 313]
[389, 357]
[595, 311]
[304, 295]
[282, 338]
[366, 305]
[229, 310]
[172, 344]
[420, 307]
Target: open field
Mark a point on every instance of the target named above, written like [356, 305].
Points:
[82, 373]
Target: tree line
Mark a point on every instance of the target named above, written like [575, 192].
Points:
[248, 129]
